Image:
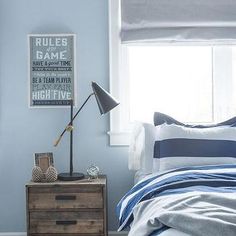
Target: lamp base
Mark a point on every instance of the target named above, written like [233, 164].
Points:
[68, 177]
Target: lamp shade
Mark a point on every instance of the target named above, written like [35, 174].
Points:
[104, 100]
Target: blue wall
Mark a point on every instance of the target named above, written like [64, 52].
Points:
[24, 131]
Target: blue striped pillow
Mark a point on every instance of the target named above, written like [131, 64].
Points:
[178, 146]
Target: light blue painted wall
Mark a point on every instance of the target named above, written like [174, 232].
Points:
[24, 131]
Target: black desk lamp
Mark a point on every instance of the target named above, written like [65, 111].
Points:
[105, 103]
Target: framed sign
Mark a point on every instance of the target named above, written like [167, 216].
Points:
[51, 69]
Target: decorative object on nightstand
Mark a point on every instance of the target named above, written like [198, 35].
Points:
[93, 172]
[51, 174]
[105, 103]
[37, 174]
[67, 208]
[44, 171]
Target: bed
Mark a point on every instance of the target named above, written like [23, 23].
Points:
[186, 181]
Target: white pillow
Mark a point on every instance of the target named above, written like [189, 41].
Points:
[136, 146]
[178, 146]
[141, 149]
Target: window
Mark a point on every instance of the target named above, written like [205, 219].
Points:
[195, 83]
[175, 80]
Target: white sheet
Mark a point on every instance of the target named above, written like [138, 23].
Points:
[173, 232]
[140, 175]
[170, 232]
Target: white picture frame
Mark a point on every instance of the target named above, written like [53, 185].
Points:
[43, 160]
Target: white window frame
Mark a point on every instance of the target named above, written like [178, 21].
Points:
[118, 136]
[120, 133]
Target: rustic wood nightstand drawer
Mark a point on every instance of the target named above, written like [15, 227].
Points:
[82, 222]
[66, 198]
[67, 208]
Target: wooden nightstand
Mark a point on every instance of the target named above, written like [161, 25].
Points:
[67, 208]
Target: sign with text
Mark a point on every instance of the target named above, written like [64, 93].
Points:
[51, 69]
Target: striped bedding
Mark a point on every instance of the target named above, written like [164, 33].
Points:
[164, 201]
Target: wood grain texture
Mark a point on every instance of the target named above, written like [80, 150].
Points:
[86, 181]
[82, 200]
[67, 208]
[67, 222]
[68, 234]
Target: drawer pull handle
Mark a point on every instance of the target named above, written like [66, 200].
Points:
[66, 222]
[65, 197]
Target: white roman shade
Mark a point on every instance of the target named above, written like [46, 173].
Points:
[178, 20]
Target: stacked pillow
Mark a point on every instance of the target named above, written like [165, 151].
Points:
[170, 144]
[161, 118]
[141, 149]
[179, 145]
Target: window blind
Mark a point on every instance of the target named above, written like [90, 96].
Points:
[178, 20]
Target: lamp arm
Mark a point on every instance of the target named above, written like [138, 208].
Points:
[81, 107]
[59, 139]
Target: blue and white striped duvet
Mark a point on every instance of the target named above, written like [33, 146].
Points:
[211, 182]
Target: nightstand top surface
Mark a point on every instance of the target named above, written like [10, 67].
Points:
[86, 181]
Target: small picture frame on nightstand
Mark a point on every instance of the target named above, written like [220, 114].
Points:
[44, 160]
